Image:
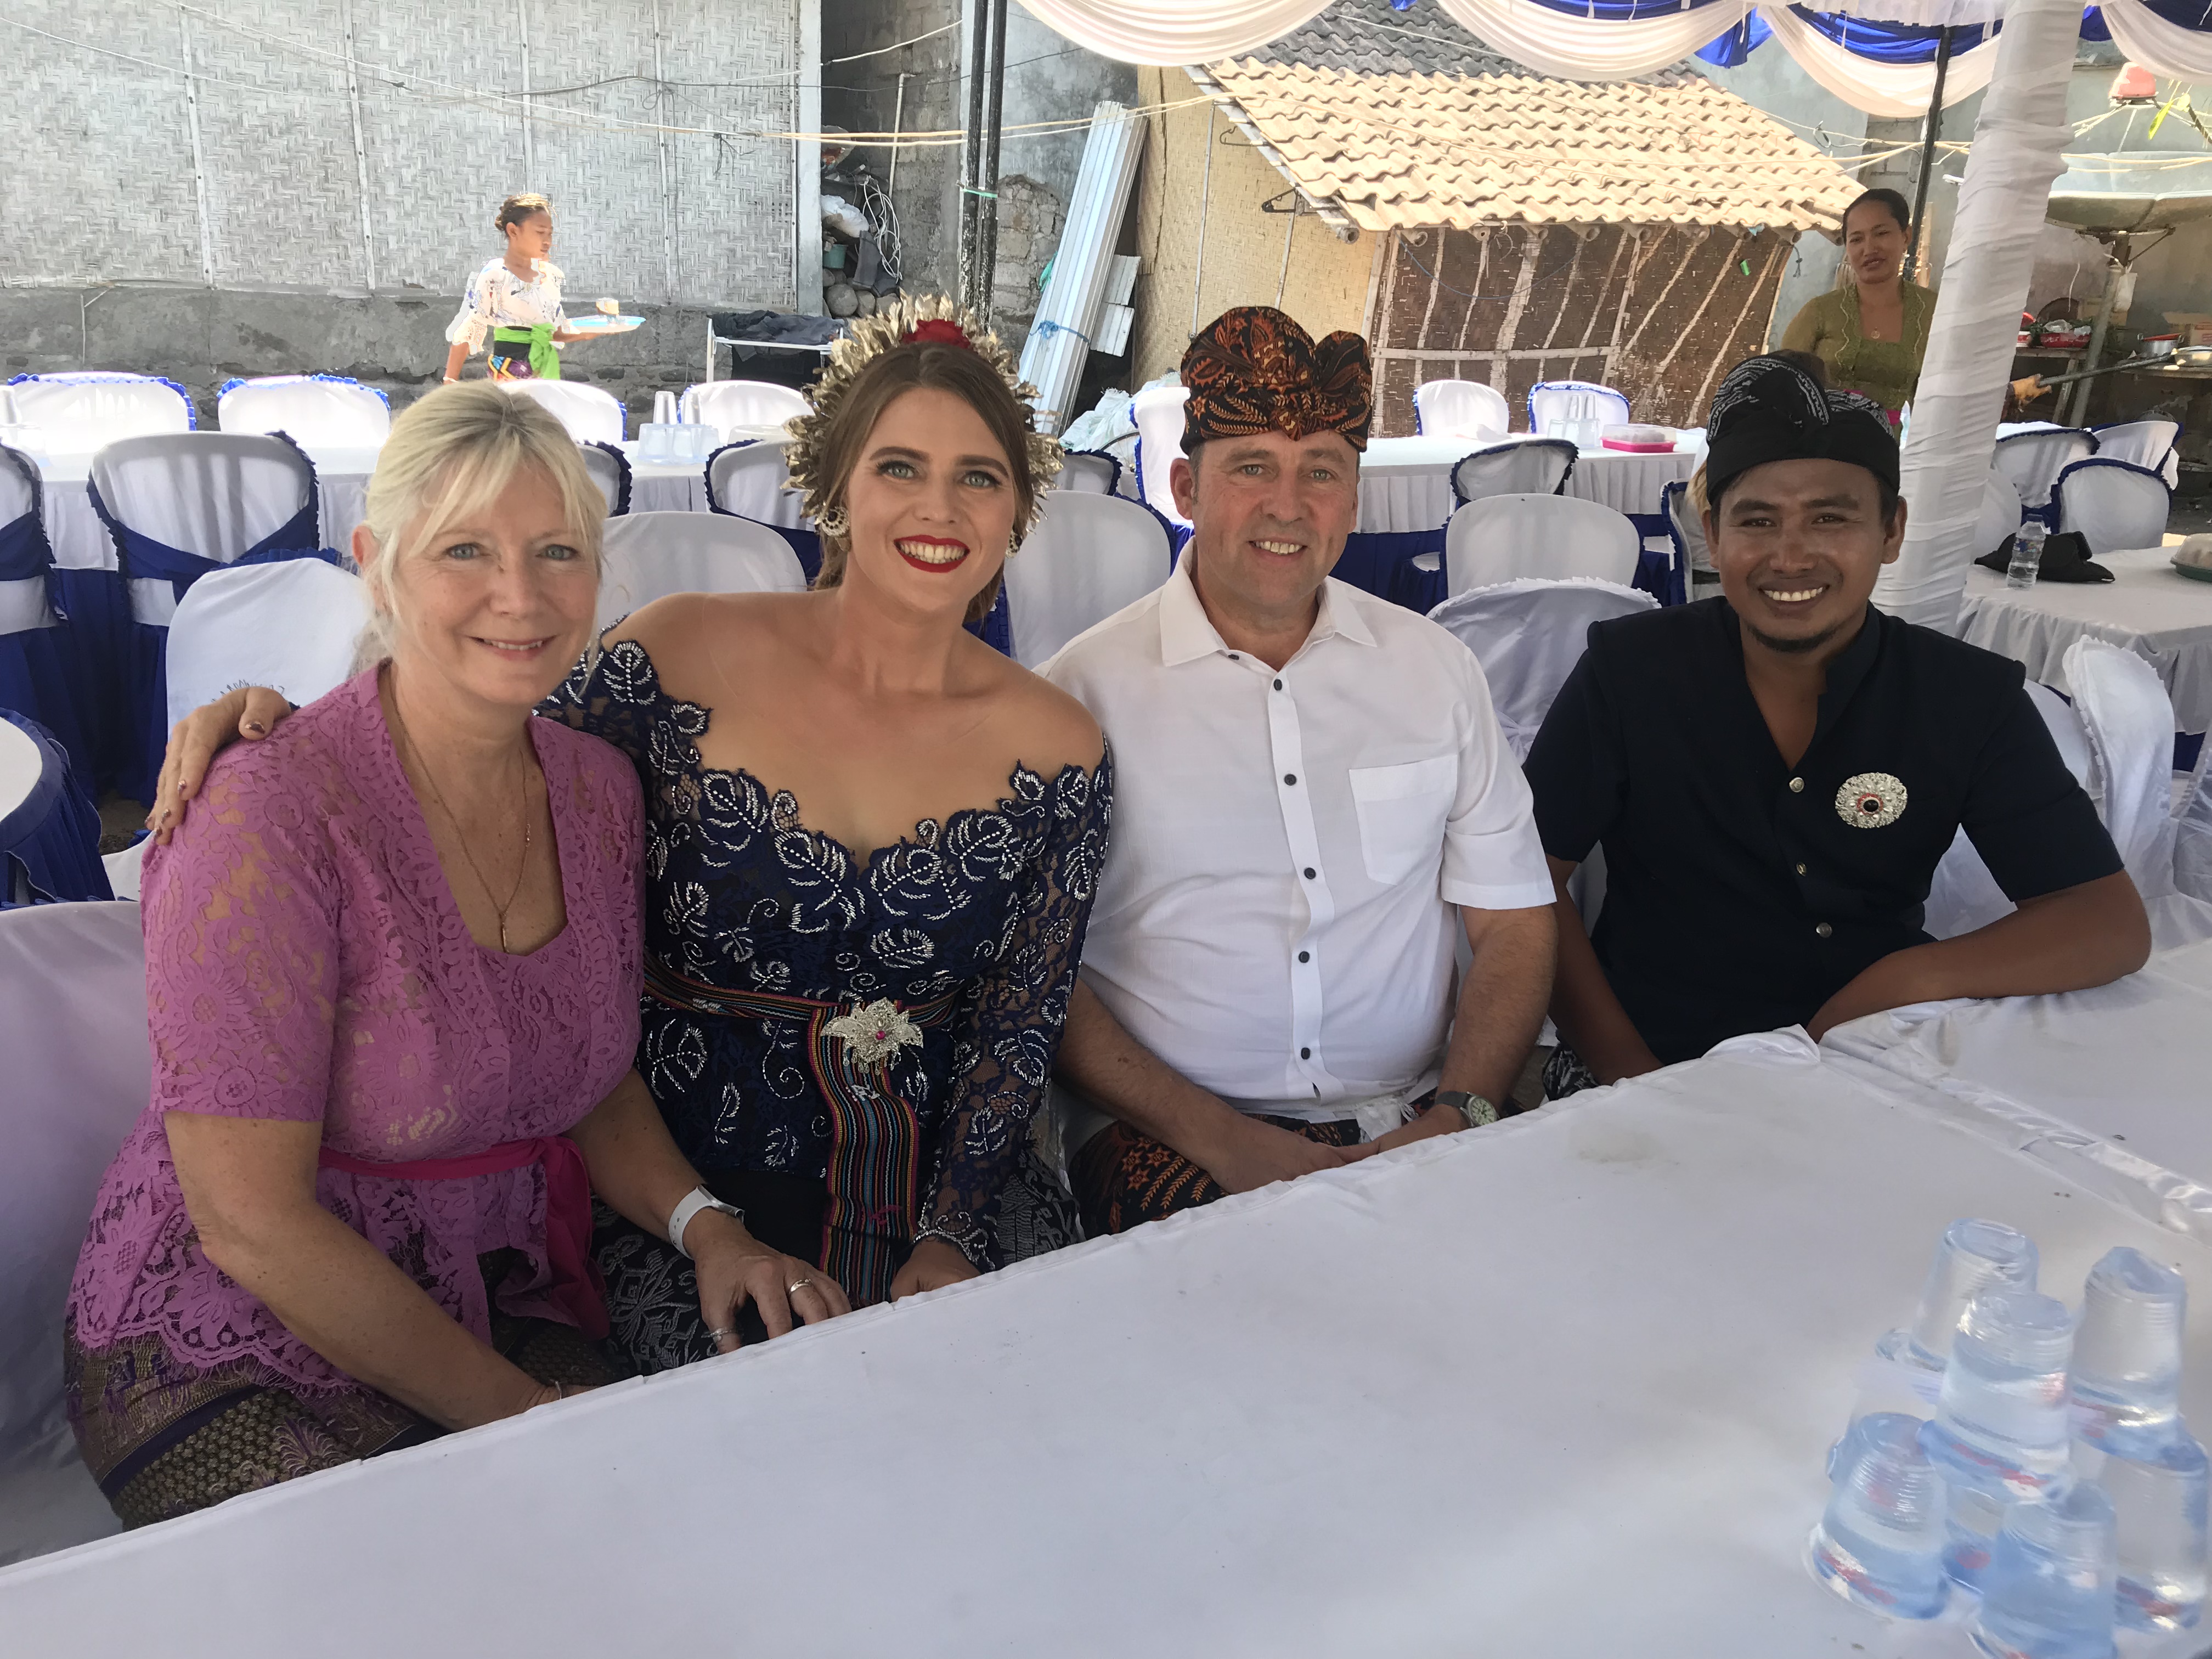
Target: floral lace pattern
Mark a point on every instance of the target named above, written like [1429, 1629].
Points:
[305, 961]
[991, 904]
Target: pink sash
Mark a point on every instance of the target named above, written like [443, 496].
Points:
[577, 1287]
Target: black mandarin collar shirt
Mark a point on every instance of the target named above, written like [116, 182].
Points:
[1740, 893]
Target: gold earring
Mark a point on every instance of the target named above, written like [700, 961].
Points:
[1013, 543]
[830, 522]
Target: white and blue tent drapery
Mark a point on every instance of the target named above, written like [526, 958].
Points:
[1876, 55]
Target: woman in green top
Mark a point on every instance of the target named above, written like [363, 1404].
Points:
[511, 310]
[1873, 331]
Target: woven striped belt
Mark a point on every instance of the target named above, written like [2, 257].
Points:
[875, 1139]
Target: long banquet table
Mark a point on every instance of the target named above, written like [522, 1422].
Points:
[2114, 1084]
[1562, 1386]
[2148, 608]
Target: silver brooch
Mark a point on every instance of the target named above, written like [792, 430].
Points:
[874, 1031]
[1871, 800]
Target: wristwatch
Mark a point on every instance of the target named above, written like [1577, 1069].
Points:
[689, 1205]
[1474, 1108]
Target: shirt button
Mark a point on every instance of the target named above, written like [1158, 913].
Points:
[1290, 777]
[1279, 685]
[1232, 656]
[1801, 869]
[1796, 785]
[1310, 875]
[1824, 930]
[1305, 955]
[1305, 1053]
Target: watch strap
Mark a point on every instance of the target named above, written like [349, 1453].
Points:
[689, 1205]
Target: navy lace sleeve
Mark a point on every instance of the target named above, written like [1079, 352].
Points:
[610, 695]
[1004, 1057]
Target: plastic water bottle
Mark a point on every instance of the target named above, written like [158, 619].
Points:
[2159, 1505]
[1881, 1542]
[2027, 562]
[2002, 1424]
[2126, 1375]
[2048, 1592]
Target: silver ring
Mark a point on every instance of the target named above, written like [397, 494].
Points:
[795, 1288]
[717, 1333]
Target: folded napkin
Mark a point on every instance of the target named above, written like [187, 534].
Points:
[2195, 551]
[2065, 559]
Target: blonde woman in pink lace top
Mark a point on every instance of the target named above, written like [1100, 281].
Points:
[393, 968]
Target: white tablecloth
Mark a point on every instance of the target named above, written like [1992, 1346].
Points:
[2113, 1084]
[80, 542]
[1404, 483]
[2148, 608]
[1560, 1387]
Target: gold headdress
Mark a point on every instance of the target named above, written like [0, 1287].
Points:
[934, 318]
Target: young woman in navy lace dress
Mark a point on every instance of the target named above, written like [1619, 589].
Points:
[871, 846]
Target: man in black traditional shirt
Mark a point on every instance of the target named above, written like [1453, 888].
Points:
[1774, 774]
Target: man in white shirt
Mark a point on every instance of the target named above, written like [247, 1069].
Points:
[1312, 798]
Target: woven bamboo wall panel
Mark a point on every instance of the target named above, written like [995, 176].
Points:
[101, 183]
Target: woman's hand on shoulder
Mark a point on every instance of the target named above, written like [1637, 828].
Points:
[251, 712]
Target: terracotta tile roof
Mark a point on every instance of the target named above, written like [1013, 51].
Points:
[1393, 148]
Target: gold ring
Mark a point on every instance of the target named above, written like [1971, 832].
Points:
[795, 1288]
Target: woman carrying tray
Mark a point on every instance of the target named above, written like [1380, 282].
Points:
[511, 310]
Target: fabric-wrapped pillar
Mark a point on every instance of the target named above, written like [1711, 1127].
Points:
[1955, 411]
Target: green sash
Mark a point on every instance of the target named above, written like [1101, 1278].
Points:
[544, 360]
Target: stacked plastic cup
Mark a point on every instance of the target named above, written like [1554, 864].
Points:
[2048, 1594]
[2126, 1380]
[1881, 1542]
[2159, 1507]
[1906, 1373]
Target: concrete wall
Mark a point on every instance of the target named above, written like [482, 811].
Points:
[1049, 79]
[1182, 217]
[233, 225]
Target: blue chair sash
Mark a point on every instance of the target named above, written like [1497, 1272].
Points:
[53, 836]
[143, 558]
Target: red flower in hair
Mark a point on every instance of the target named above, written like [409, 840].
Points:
[939, 331]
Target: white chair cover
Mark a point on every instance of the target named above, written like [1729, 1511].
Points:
[1501, 536]
[1089, 471]
[729, 405]
[125, 869]
[2130, 722]
[1157, 411]
[83, 412]
[2116, 505]
[2033, 460]
[1461, 408]
[753, 480]
[2192, 829]
[1088, 557]
[1529, 634]
[1550, 400]
[2001, 514]
[609, 469]
[592, 416]
[315, 410]
[1533, 466]
[79, 1072]
[214, 495]
[1964, 895]
[2147, 443]
[291, 626]
[1689, 528]
[649, 556]
[23, 599]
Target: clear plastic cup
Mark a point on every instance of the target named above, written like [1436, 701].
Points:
[2126, 1374]
[1881, 1542]
[656, 442]
[1972, 1256]
[2159, 1504]
[2001, 1422]
[2048, 1594]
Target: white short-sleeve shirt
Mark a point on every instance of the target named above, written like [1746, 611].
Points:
[1276, 918]
[496, 298]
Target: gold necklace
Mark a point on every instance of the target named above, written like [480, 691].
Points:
[461, 834]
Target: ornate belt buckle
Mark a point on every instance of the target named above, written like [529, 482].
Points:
[873, 1031]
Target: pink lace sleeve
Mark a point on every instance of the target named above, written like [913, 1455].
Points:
[242, 948]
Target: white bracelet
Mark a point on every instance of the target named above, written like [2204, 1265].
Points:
[689, 1205]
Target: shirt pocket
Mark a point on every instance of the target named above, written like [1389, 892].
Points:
[1403, 810]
